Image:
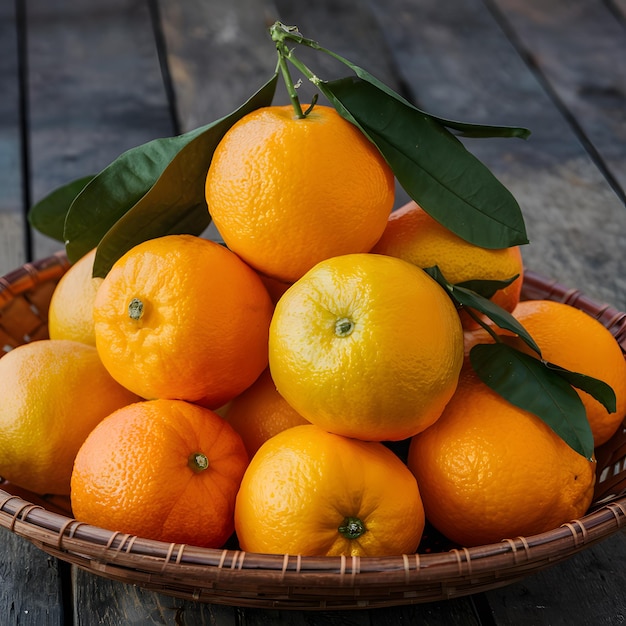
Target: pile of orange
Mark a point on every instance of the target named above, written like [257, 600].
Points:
[201, 390]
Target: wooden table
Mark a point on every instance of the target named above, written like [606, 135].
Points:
[83, 80]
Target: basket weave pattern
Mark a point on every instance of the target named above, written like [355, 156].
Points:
[230, 576]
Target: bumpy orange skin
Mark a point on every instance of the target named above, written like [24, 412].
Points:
[392, 373]
[54, 392]
[70, 314]
[202, 333]
[489, 471]
[260, 412]
[413, 235]
[286, 193]
[576, 341]
[133, 474]
[304, 483]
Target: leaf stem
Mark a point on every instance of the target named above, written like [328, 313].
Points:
[484, 325]
[291, 88]
[280, 34]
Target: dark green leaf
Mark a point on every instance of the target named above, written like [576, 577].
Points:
[152, 190]
[465, 129]
[432, 165]
[528, 384]
[48, 215]
[602, 392]
[468, 298]
[486, 288]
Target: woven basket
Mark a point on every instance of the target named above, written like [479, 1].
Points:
[230, 576]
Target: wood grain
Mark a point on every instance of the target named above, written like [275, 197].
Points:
[11, 180]
[24, 568]
[218, 53]
[592, 577]
[568, 42]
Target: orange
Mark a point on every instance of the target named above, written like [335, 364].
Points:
[285, 193]
[577, 342]
[70, 315]
[413, 235]
[54, 392]
[182, 317]
[366, 346]
[310, 492]
[162, 469]
[260, 412]
[488, 470]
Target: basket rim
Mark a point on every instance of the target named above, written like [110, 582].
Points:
[17, 515]
[235, 577]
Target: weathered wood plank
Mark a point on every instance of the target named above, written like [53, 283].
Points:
[459, 611]
[556, 596]
[110, 603]
[618, 7]
[219, 54]
[23, 569]
[95, 89]
[460, 64]
[11, 180]
[577, 47]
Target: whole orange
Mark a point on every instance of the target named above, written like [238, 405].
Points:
[162, 469]
[286, 192]
[366, 346]
[413, 235]
[183, 317]
[310, 492]
[580, 343]
[70, 314]
[260, 412]
[488, 470]
[54, 392]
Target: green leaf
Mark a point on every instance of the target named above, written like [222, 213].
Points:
[48, 215]
[468, 298]
[602, 392]
[528, 384]
[486, 288]
[432, 165]
[149, 191]
[464, 129]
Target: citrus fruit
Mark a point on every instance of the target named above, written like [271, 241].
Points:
[488, 470]
[162, 469]
[310, 492]
[54, 392]
[260, 412]
[413, 235]
[574, 340]
[183, 317]
[366, 346]
[70, 314]
[285, 193]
